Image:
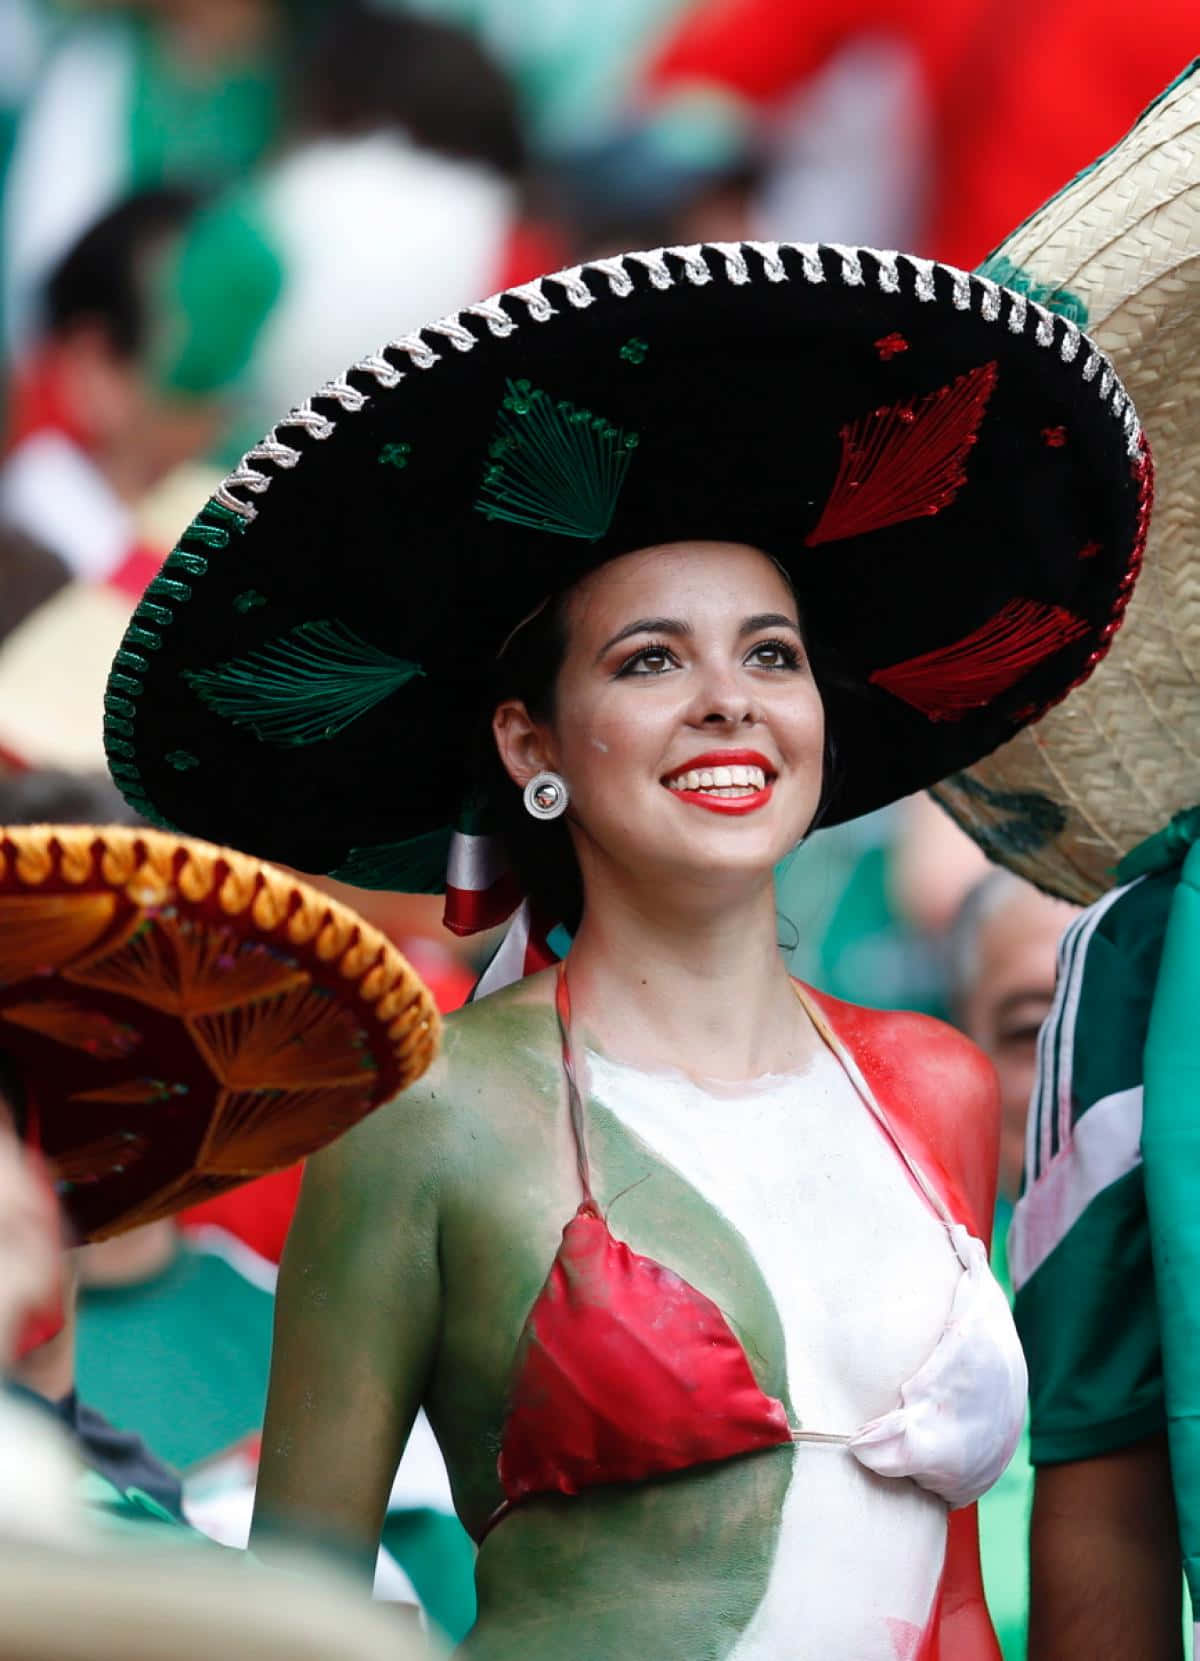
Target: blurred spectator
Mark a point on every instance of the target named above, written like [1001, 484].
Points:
[92, 427]
[98, 428]
[29, 1232]
[398, 199]
[1003, 947]
[123, 1607]
[872, 902]
[572, 64]
[1016, 103]
[41, 796]
[29, 575]
[1002, 964]
[934, 867]
[38, 1473]
[615, 184]
[135, 96]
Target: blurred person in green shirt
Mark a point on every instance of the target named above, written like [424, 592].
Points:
[1002, 953]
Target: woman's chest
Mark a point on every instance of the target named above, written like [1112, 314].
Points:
[790, 1209]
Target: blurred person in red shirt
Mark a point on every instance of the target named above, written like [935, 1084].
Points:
[1018, 99]
[131, 96]
[399, 194]
[94, 424]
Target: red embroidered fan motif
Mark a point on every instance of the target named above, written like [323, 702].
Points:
[905, 460]
[950, 681]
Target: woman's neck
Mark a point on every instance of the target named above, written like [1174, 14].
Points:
[703, 989]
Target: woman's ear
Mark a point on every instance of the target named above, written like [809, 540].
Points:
[525, 745]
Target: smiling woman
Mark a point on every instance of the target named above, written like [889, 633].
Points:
[684, 1261]
[619, 697]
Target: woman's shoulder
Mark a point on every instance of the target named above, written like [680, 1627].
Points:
[507, 1041]
[495, 1065]
[499, 1028]
[918, 1047]
[941, 1093]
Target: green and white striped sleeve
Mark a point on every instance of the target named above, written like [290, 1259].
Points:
[1079, 1247]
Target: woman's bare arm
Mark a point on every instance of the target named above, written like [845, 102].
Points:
[356, 1324]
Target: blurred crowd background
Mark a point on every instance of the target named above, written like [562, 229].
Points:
[209, 207]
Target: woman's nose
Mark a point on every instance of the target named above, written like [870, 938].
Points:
[723, 700]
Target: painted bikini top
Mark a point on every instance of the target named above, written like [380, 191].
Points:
[626, 1372]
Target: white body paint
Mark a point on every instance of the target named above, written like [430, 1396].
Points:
[862, 1275]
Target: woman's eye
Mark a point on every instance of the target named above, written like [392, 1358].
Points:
[651, 660]
[774, 654]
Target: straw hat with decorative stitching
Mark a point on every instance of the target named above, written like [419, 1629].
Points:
[1118, 252]
[181, 1018]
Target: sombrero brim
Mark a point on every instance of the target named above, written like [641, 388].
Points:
[1118, 250]
[953, 478]
[183, 1018]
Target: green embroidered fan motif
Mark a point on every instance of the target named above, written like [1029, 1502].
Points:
[553, 466]
[303, 687]
[415, 866]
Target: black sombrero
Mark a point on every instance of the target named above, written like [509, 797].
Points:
[953, 477]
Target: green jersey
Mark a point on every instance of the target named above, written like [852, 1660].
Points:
[1079, 1247]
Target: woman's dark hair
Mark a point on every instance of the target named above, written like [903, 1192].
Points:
[367, 69]
[540, 851]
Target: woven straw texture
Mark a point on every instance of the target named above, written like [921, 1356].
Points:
[1067, 798]
[185, 1017]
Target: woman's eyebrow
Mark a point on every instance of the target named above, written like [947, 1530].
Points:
[646, 625]
[768, 620]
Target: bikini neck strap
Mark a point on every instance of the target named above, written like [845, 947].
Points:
[874, 1106]
[562, 1008]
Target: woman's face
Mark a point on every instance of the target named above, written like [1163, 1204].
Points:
[687, 722]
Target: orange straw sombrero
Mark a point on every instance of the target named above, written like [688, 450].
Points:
[183, 1017]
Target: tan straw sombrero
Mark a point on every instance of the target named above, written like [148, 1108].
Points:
[176, 1018]
[1119, 252]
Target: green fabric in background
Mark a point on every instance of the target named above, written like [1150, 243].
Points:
[1004, 1509]
[182, 1359]
[840, 929]
[202, 127]
[1171, 1151]
[215, 290]
[437, 1556]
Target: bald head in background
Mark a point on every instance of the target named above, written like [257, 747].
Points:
[1003, 954]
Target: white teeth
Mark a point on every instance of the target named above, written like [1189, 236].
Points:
[722, 779]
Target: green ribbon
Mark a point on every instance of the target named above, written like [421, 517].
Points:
[1171, 1163]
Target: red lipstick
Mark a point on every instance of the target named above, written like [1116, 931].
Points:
[726, 758]
[723, 758]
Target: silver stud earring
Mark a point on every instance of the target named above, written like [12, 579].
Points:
[546, 796]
